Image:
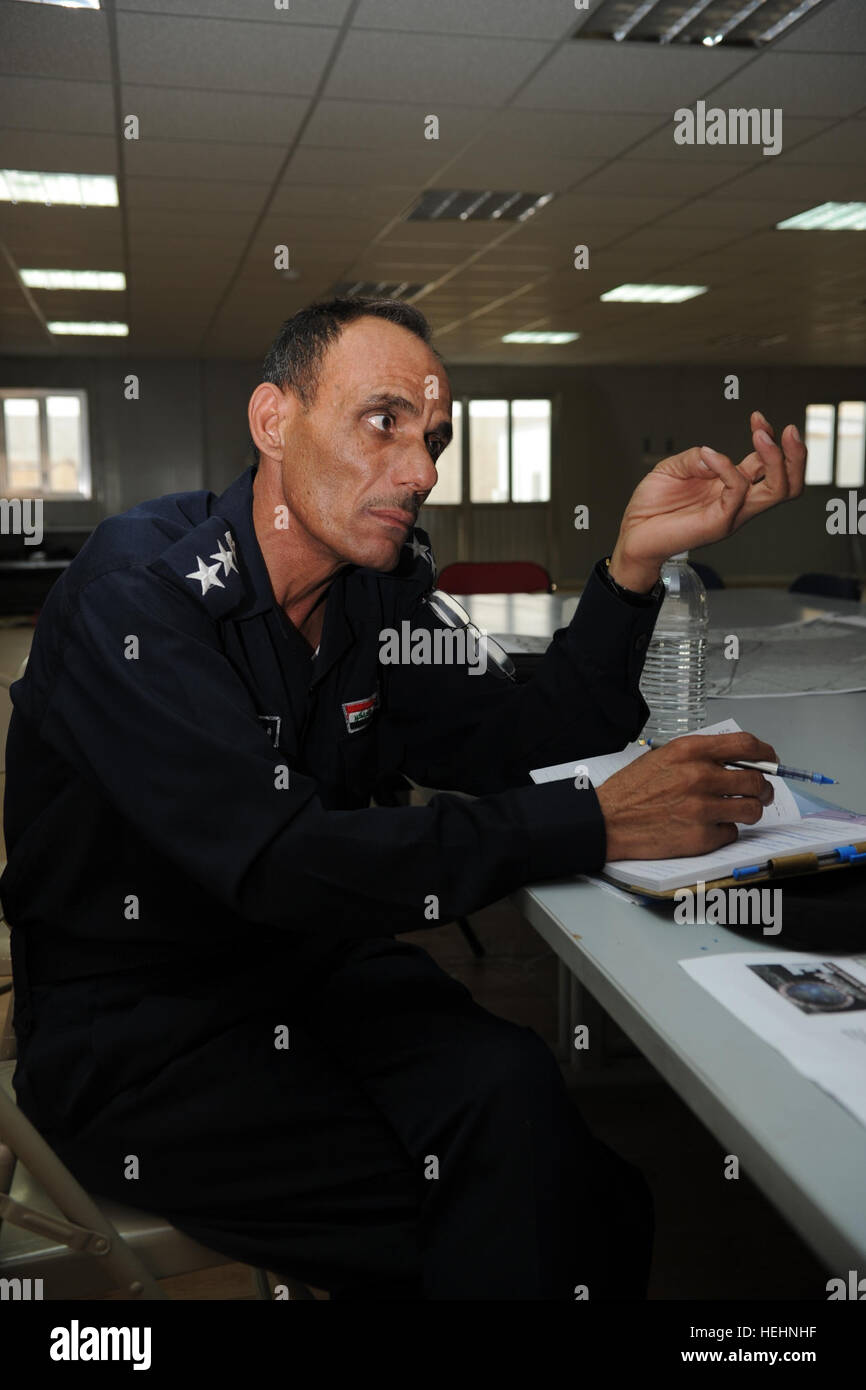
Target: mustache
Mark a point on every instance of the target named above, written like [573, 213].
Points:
[400, 504]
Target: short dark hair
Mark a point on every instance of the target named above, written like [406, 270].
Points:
[295, 356]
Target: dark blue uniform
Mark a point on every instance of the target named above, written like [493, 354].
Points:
[194, 868]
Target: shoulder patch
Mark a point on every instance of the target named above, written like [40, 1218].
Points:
[205, 562]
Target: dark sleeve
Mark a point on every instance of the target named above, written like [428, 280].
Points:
[171, 738]
[446, 727]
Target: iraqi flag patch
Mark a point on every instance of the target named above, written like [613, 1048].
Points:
[358, 713]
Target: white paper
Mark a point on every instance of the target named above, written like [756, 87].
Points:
[755, 844]
[811, 1008]
[598, 769]
[782, 830]
[824, 655]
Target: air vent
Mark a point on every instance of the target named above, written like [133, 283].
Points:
[460, 205]
[749, 23]
[378, 289]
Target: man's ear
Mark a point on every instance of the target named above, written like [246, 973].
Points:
[268, 412]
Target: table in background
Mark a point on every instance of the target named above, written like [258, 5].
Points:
[539, 615]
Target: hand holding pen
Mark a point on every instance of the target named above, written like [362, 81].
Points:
[796, 774]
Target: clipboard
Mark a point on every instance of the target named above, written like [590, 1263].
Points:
[786, 866]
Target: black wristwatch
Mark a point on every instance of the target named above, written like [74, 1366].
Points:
[630, 595]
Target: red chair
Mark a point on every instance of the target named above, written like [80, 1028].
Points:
[495, 577]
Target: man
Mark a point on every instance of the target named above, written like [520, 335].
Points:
[214, 1018]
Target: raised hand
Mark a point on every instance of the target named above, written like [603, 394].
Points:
[699, 496]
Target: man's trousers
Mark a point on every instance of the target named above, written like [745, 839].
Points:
[357, 1122]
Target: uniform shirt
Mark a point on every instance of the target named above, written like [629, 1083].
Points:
[186, 778]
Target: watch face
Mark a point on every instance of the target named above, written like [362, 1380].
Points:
[453, 614]
[818, 994]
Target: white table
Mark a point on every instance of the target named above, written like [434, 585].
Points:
[539, 615]
[801, 1147]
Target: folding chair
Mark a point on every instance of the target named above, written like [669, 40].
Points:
[79, 1245]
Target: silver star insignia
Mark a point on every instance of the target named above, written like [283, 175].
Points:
[225, 555]
[206, 575]
[418, 549]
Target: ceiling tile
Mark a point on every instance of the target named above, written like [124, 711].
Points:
[149, 226]
[841, 144]
[327, 12]
[201, 159]
[604, 76]
[38, 103]
[661, 145]
[839, 27]
[431, 69]
[57, 153]
[489, 164]
[161, 50]
[200, 195]
[657, 178]
[575, 135]
[174, 113]
[50, 41]
[799, 84]
[384, 126]
[790, 182]
[341, 167]
[542, 19]
[335, 200]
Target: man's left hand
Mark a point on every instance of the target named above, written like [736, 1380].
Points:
[699, 496]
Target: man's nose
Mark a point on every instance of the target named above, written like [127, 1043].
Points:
[416, 468]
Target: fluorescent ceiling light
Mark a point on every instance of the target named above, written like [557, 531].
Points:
[640, 13]
[685, 18]
[540, 337]
[653, 294]
[736, 19]
[782, 24]
[827, 217]
[82, 190]
[69, 4]
[74, 279]
[90, 330]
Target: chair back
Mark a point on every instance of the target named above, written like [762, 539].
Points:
[711, 578]
[827, 586]
[495, 577]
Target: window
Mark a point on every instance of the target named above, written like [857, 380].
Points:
[836, 439]
[488, 451]
[500, 453]
[449, 466]
[44, 450]
[530, 451]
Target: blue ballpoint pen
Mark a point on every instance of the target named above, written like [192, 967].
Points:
[796, 774]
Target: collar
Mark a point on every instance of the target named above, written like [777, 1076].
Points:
[351, 591]
[235, 506]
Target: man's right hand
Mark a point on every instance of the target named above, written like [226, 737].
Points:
[681, 799]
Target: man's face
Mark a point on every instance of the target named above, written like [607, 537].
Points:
[359, 463]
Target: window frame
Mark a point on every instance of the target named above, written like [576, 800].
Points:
[45, 491]
[466, 499]
[834, 445]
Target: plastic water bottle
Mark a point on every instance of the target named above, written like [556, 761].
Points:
[673, 681]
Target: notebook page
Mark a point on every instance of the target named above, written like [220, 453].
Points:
[598, 769]
[781, 810]
[754, 846]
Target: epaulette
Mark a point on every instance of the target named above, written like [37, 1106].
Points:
[205, 562]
